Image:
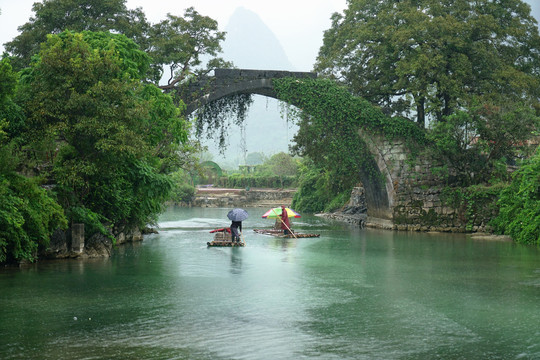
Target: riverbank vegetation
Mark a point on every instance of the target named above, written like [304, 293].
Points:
[278, 171]
[465, 72]
[87, 133]
[90, 135]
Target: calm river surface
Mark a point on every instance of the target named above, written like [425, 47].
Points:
[350, 294]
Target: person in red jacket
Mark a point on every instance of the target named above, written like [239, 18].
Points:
[285, 224]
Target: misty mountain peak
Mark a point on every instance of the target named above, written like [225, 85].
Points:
[251, 44]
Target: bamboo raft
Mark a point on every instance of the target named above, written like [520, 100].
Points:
[222, 238]
[279, 233]
[224, 243]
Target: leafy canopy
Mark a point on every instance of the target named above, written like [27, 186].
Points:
[181, 43]
[473, 147]
[28, 214]
[56, 16]
[105, 139]
[519, 203]
[427, 59]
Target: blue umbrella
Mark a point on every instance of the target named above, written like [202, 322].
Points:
[237, 214]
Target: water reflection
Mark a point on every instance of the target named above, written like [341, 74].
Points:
[236, 260]
[350, 294]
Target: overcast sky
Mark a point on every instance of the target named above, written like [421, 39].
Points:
[298, 24]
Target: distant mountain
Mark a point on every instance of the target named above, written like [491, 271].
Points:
[250, 44]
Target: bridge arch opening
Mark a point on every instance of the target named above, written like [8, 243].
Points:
[373, 173]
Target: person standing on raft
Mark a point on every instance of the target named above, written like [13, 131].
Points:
[285, 224]
[235, 233]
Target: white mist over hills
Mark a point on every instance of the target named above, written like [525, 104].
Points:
[250, 44]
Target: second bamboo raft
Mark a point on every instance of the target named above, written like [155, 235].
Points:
[279, 233]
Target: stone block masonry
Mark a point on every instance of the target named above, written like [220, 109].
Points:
[266, 198]
[415, 193]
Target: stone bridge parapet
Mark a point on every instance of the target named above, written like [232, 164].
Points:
[228, 82]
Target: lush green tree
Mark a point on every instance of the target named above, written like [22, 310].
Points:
[186, 46]
[28, 214]
[519, 214]
[102, 137]
[183, 191]
[427, 59]
[180, 43]
[11, 115]
[56, 16]
[475, 146]
[314, 193]
[255, 158]
[281, 165]
[8, 80]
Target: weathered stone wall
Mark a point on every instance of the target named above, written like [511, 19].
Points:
[418, 201]
[74, 243]
[421, 205]
[238, 198]
[414, 194]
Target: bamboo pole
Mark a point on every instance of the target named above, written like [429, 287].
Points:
[280, 219]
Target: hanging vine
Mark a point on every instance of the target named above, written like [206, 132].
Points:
[243, 145]
[216, 117]
[329, 120]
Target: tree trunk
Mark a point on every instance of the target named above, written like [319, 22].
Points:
[421, 112]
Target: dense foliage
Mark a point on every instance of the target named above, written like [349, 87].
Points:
[28, 213]
[11, 115]
[476, 146]
[329, 122]
[102, 137]
[91, 129]
[476, 205]
[243, 181]
[56, 16]
[519, 214]
[183, 191]
[426, 59]
[278, 171]
[28, 217]
[313, 195]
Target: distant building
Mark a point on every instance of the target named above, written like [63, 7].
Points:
[248, 169]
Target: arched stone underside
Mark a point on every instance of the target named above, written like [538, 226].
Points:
[228, 82]
[377, 197]
[389, 158]
[380, 193]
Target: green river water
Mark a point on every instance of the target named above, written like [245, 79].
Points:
[350, 294]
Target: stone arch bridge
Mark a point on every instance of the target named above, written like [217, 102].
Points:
[228, 82]
[385, 200]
